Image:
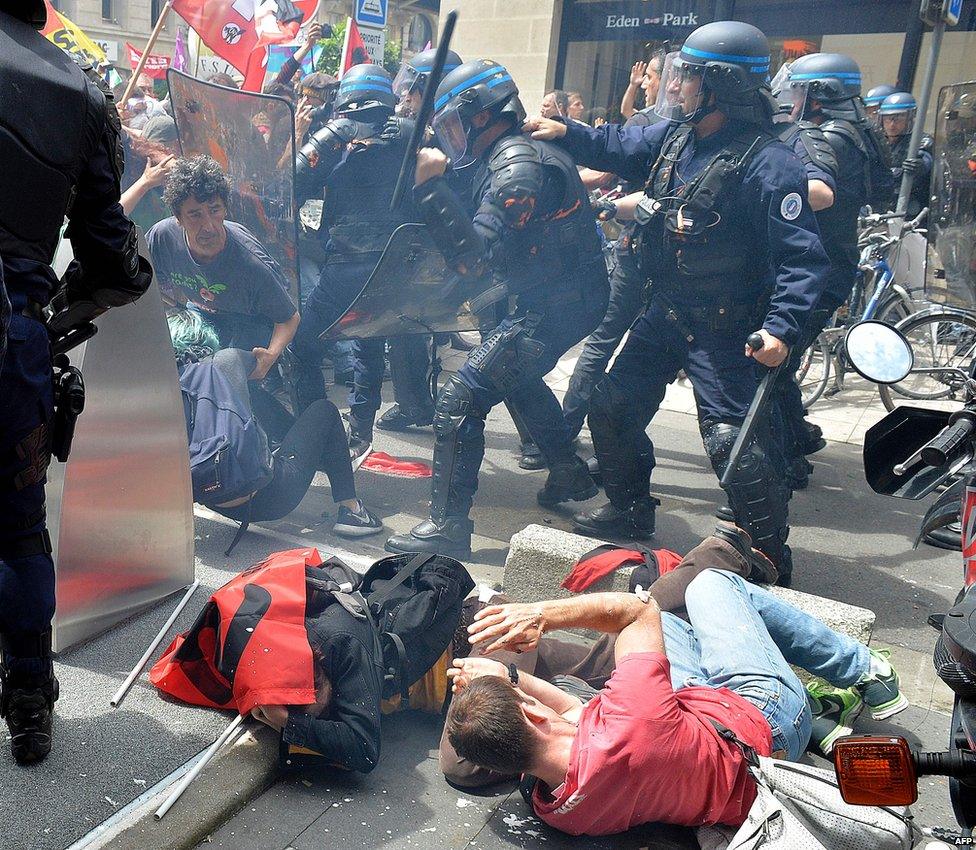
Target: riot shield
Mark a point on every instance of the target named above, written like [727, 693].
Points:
[950, 276]
[252, 136]
[410, 291]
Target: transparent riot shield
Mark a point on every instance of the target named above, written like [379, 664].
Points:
[252, 136]
[950, 276]
[411, 291]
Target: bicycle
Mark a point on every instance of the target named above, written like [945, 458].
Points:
[889, 302]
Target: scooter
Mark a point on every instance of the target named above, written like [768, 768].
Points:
[908, 455]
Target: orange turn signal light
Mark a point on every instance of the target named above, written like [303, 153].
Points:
[875, 771]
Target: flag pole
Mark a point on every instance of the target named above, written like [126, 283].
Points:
[345, 46]
[145, 53]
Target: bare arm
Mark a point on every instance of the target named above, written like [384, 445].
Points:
[593, 179]
[465, 670]
[821, 195]
[630, 95]
[283, 334]
[644, 634]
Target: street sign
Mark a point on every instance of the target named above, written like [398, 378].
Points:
[371, 13]
[375, 41]
[953, 9]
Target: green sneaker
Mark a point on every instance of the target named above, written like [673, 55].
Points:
[834, 711]
[879, 687]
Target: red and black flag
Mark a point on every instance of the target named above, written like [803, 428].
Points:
[249, 646]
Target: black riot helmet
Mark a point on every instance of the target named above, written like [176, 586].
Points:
[471, 88]
[413, 73]
[33, 12]
[874, 96]
[731, 59]
[365, 93]
[832, 79]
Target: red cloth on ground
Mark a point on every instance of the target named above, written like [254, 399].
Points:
[645, 754]
[249, 646]
[384, 464]
[603, 560]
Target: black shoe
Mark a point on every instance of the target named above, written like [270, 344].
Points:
[725, 514]
[400, 419]
[567, 482]
[531, 457]
[815, 439]
[451, 538]
[359, 444]
[29, 712]
[785, 568]
[593, 467]
[359, 523]
[798, 473]
[634, 523]
[763, 571]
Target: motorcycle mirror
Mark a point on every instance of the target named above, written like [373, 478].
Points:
[879, 352]
[875, 771]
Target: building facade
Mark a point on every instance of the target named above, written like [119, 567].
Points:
[590, 45]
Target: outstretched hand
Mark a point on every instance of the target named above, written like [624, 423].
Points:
[515, 627]
[544, 129]
[637, 73]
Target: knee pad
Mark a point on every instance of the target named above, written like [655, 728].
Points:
[454, 402]
[719, 438]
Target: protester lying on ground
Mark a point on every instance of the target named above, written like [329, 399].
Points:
[217, 268]
[646, 747]
[347, 648]
[231, 426]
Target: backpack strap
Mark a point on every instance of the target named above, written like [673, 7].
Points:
[401, 664]
[242, 530]
[748, 753]
[403, 575]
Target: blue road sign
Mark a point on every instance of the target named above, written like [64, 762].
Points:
[371, 13]
[953, 10]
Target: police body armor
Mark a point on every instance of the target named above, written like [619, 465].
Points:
[556, 243]
[357, 198]
[690, 248]
[43, 148]
[873, 150]
[814, 149]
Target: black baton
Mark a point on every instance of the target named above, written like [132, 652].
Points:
[425, 112]
[760, 401]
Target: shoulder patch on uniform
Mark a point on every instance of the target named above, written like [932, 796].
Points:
[791, 206]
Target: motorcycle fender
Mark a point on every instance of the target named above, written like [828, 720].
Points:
[947, 508]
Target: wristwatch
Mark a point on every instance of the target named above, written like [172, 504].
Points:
[513, 676]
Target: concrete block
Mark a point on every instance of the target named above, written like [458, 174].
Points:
[539, 558]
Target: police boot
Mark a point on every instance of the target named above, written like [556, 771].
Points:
[798, 473]
[568, 481]
[530, 457]
[725, 514]
[635, 522]
[815, 439]
[27, 698]
[399, 418]
[450, 537]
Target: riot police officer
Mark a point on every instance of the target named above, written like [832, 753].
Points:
[411, 80]
[353, 162]
[729, 242]
[873, 100]
[61, 152]
[533, 232]
[825, 91]
[898, 113]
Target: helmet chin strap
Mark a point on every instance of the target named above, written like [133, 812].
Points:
[707, 108]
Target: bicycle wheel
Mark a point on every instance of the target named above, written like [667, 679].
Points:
[896, 308]
[813, 373]
[940, 339]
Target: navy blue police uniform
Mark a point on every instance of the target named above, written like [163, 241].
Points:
[533, 235]
[730, 244]
[62, 153]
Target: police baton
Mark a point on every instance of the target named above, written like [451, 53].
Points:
[425, 113]
[760, 402]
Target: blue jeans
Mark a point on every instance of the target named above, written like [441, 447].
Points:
[749, 649]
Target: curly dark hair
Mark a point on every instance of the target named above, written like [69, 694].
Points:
[200, 178]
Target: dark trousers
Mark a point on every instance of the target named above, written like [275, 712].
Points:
[626, 301]
[410, 371]
[315, 442]
[26, 580]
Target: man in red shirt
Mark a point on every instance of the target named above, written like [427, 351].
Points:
[646, 748]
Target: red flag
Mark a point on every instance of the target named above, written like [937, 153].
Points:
[236, 29]
[155, 66]
[249, 646]
[353, 48]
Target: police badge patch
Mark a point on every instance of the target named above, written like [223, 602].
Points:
[791, 206]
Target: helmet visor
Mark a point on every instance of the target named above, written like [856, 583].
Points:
[406, 80]
[897, 122]
[682, 91]
[451, 136]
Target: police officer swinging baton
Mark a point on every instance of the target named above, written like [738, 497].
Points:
[426, 111]
[760, 401]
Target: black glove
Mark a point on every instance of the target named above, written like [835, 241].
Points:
[604, 210]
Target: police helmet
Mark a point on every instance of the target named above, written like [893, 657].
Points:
[900, 103]
[831, 79]
[471, 88]
[732, 60]
[878, 94]
[33, 12]
[364, 90]
[413, 74]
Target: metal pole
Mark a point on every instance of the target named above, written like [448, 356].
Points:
[140, 666]
[145, 53]
[908, 175]
[198, 767]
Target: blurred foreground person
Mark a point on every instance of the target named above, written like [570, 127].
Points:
[61, 151]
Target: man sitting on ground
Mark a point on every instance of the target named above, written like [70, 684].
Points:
[647, 748]
[217, 268]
